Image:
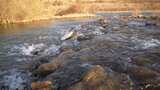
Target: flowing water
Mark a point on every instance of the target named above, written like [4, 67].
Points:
[20, 42]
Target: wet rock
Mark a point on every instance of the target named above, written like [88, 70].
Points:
[57, 62]
[95, 79]
[81, 37]
[148, 59]
[103, 22]
[119, 66]
[150, 24]
[125, 81]
[84, 32]
[39, 60]
[68, 35]
[66, 45]
[45, 85]
[96, 74]
[67, 76]
[139, 74]
[142, 73]
[70, 44]
[141, 16]
[65, 56]
[148, 84]
[154, 17]
[52, 50]
[88, 31]
[47, 68]
[153, 83]
[156, 67]
[86, 55]
[151, 87]
[143, 61]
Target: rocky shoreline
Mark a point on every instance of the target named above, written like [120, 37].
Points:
[111, 53]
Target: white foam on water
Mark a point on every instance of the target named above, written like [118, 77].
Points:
[52, 50]
[151, 43]
[145, 44]
[21, 59]
[71, 43]
[98, 32]
[135, 23]
[43, 37]
[87, 65]
[27, 50]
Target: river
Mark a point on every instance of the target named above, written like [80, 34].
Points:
[19, 43]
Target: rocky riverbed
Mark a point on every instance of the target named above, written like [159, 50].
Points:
[110, 53]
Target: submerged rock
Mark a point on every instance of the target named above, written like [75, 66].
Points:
[47, 68]
[103, 22]
[143, 61]
[95, 79]
[67, 76]
[52, 50]
[70, 44]
[82, 77]
[56, 63]
[142, 73]
[45, 85]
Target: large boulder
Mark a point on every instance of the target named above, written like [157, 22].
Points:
[67, 76]
[95, 79]
[58, 62]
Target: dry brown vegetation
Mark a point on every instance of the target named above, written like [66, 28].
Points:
[30, 10]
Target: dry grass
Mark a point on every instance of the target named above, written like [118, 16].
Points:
[30, 10]
[27, 10]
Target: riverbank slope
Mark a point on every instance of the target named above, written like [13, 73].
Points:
[15, 11]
